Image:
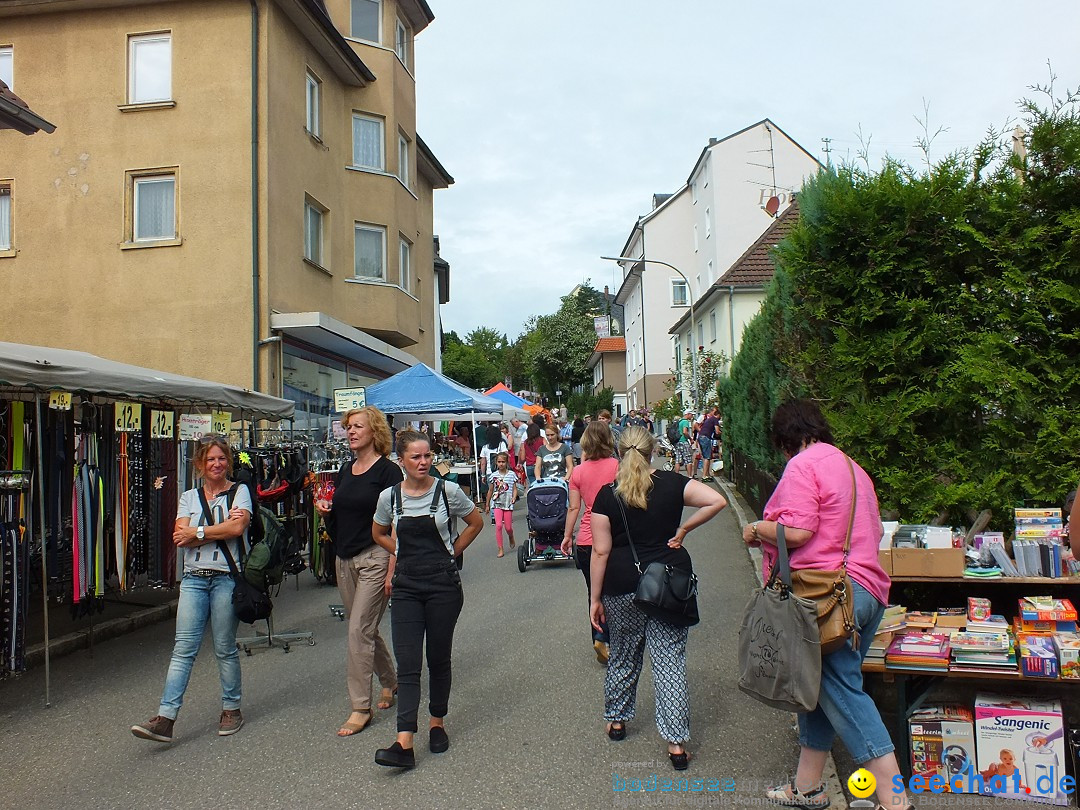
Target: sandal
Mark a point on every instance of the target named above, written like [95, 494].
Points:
[790, 796]
[679, 761]
[388, 699]
[616, 730]
[351, 727]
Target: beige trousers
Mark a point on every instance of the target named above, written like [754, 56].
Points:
[360, 581]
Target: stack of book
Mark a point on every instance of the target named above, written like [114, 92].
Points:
[1046, 609]
[920, 620]
[983, 652]
[927, 651]
[892, 622]
[1037, 542]
[981, 620]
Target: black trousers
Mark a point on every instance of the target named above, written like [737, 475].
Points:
[583, 558]
[425, 604]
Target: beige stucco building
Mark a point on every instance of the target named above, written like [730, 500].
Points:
[235, 190]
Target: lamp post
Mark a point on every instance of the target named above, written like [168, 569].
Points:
[693, 321]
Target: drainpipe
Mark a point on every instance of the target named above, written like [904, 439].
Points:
[731, 324]
[256, 328]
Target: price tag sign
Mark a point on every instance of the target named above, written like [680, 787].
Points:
[60, 400]
[128, 417]
[161, 424]
[220, 422]
[345, 399]
[194, 425]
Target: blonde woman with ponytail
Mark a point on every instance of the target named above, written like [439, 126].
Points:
[653, 502]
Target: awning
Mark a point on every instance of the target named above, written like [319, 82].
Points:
[38, 368]
[331, 335]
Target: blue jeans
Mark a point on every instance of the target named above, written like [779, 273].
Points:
[706, 445]
[203, 599]
[843, 707]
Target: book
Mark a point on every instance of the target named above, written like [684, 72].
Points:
[1021, 625]
[1008, 568]
[978, 608]
[993, 624]
[1046, 608]
[1040, 512]
[980, 642]
[951, 617]
[1038, 658]
[920, 619]
[921, 643]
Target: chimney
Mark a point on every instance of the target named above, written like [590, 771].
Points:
[713, 141]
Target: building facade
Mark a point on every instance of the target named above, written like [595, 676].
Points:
[235, 190]
[608, 365]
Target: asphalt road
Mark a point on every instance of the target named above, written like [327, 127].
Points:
[525, 715]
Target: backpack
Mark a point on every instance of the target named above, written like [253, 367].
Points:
[265, 563]
[673, 432]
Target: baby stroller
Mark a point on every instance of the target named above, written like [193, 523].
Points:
[548, 501]
[664, 448]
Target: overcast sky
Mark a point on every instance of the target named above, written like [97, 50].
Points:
[560, 119]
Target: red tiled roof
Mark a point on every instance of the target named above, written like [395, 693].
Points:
[755, 266]
[610, 344]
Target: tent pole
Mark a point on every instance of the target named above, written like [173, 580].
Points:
[475, 458]
[44, 555]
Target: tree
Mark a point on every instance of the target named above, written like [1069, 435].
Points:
[469, 366]
[709, 367]
[561, 349]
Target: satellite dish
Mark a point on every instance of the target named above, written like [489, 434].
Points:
[772, 206]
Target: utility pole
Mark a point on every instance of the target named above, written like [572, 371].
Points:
[827, 150]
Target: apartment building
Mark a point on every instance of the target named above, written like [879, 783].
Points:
[608, 366]
[235, 189]
[693, 236]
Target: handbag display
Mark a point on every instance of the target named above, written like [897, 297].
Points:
[664, 591]
[831, 592]
[779, 647]
[250, 603]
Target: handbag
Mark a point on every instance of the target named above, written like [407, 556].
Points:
[779, 647]
[832, 592]
[250, 603]
[663, 591]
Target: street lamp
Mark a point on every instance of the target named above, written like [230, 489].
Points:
[693, 321]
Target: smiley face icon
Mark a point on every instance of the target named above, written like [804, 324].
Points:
[861, 783]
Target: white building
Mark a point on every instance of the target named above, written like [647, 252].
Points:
[701, 229]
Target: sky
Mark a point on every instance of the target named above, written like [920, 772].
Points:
[559, 120]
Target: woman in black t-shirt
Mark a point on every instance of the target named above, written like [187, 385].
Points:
[364, 569]
[653, 502]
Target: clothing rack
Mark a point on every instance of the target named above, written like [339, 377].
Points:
[274, 640]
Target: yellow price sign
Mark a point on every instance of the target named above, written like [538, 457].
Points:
[220, 422]
[161, 424]
[60, 400]
[128, 417]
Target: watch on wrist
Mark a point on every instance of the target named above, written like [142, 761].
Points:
[200, 533]
[753, 529]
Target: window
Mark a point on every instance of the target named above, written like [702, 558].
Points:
[6, 66]
[370, 252]
[701, 334]
[403, 159]
[401, 43]
[313, 232]
[637, 354]
[712, 325]
[679, 298]
[695, 238]
[693, 192]
[710, 274]
[150, 68]
[697, 283]
[5, 216]
[368, 142]
[405, 264]
[314, 99]
[153, 207]
[708, 222]
[366, 16]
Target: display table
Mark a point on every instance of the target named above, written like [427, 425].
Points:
[467, 472]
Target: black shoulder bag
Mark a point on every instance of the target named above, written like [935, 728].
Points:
[250, 604]
[663, 591]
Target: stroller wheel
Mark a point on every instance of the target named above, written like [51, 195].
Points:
[522, 555]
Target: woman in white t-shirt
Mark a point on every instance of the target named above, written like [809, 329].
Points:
[206, 588]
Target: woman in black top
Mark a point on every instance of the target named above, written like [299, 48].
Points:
[364, 569]
[653, 501]
[576, 433]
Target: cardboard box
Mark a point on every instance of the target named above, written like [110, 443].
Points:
[943, 744]
[1038, 658]
[443, 468]
[885, 560]
[1005, 728]
[927, 562]
[1068, 650]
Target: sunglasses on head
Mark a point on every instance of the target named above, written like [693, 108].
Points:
[213, 437]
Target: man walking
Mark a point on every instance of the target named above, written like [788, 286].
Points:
[707, 437]
[684, 454]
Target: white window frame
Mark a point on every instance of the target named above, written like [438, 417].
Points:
[676, 283]
[710, 273]
[7, 235]
[143, 179]
[371, 228]
[405, 264]
[700, 334]
[404, 155]
[693, 192]
[708, 222]
[402, 42]
[133, 43]
[7, 55]
[313, 211]
[696, 245]
[712, 326]
[313, 104]
[378, 34]
[381, 167]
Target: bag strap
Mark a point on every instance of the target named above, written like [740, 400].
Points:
[209, 517]
[781, 569]
[851, 517]
[395, 500]
[440, 489]
[626, 523]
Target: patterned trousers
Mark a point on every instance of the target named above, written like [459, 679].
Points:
[630, 632]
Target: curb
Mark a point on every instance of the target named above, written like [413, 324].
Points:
[833, 785]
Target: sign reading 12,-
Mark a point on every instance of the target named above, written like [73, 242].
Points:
[161, 424]
[128, 417]
[60, 400]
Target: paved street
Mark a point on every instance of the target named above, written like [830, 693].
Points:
[525, 718]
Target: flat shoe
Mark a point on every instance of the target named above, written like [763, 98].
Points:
[616, 731]
[513, 545]
[679, 762]
[438, 740]
[351, 727]
[388, 699]
[500, 554]
[789, 796]
[395, 757]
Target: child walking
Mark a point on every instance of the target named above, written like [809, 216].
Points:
[502, 490]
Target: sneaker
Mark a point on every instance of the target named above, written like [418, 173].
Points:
[790, 796]
[230, 723]
[602, 651]
[158, 729]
